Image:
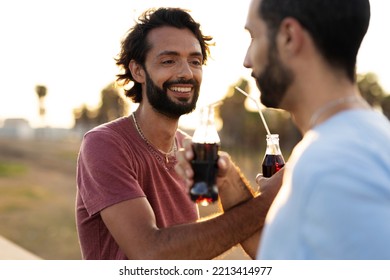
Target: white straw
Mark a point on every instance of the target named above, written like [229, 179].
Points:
[215, 104]
[258, 108]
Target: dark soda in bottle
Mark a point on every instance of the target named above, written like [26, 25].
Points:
[205, 145]
[273, 160]
[204, 191]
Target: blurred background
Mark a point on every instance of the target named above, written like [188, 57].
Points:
[57, 74]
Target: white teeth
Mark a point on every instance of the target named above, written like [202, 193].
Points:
[181, 89]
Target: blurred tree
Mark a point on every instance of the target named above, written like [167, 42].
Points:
[243, 131]
[236, 120]
[41, 91]
[84, 118]
[370, 89]
[386, 106]
[112, 106]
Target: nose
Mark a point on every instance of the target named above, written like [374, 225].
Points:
[185, 71]
[247, 61]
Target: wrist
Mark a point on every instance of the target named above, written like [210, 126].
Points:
[234, 188]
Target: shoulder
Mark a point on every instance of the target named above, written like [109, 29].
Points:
[348, 155]
[346, 136]
[108, 136]
[348, 150]
[116, 126]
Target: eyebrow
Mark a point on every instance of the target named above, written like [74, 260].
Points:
[175, 53]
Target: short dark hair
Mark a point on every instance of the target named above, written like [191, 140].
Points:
[336, 26]
[135, 46]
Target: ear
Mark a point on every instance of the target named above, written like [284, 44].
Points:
[137, 71]
[291, 37]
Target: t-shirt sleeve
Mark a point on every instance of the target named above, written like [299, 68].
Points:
[106, 171]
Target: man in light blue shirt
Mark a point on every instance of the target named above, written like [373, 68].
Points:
[335, 199]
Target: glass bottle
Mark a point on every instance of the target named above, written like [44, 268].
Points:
[273, 159]
[205, 144]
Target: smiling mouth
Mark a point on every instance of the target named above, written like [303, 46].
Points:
[181, 89]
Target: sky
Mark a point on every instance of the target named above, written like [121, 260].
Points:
[70, 45]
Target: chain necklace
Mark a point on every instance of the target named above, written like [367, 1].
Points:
[317, 114]
[150, 145]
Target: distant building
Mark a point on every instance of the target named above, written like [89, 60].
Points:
[55, 134]
[17, 128]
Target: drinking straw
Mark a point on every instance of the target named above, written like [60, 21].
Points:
[215, 104]
[258, 108]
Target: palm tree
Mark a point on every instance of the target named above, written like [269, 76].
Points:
[41, 92]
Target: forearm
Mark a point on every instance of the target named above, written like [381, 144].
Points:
[207, 239]
[235, 189]
[201, 240]
[251, 244]
[133, 226]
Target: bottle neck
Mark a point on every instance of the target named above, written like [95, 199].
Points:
[273, 145]
[206, 132]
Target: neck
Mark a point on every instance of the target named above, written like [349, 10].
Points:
[331, 107]
[316, 88]
[158, 129]
[322, 105]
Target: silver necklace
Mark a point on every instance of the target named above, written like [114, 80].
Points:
[317, 114]
[150, 145]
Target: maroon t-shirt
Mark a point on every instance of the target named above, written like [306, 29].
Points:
[115, 164]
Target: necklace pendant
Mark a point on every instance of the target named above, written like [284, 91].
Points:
[150, 146]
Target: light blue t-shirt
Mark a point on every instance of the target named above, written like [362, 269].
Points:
[335, 198]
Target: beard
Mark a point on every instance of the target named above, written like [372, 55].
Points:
[274, 81]
[163, 104]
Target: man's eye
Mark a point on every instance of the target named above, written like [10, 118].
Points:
[196, 62]
[169, 61]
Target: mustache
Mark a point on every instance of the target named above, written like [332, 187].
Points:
[181, 81]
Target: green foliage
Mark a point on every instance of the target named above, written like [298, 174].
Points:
[11, 169]
[370, 89]
[386, 106]
[19, 198]
[373, 92]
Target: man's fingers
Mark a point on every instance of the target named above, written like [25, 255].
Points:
[223, 163]
[187, 146]
[274, 181]
[183, 167]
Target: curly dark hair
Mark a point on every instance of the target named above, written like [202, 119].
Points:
[135, 45]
